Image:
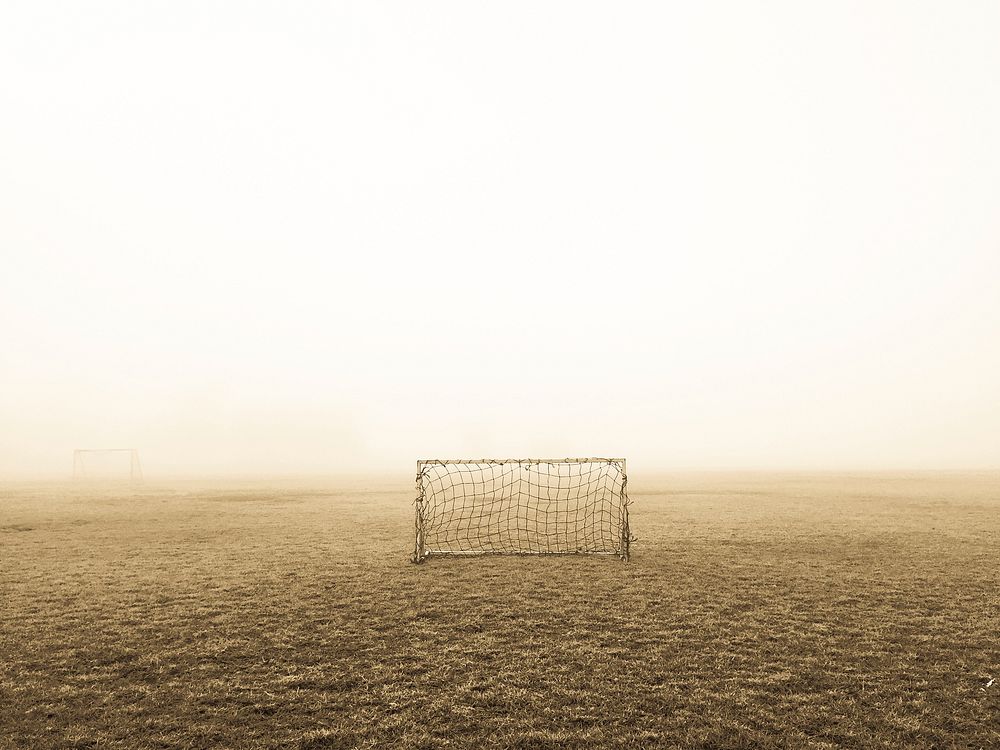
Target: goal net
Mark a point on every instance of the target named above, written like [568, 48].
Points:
[107, 464]
[522, 506]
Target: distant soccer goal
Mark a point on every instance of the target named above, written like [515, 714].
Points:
[107, 464]
[522, 507]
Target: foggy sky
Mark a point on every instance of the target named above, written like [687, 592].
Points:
[316, 237]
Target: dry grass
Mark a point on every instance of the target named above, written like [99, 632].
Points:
[759, 611]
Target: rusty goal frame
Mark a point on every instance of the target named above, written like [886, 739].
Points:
[525, 506]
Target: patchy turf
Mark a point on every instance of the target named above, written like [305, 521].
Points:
[758, 611]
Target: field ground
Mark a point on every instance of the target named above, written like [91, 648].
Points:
[758, 611]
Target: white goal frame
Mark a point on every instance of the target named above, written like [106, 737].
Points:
[526, 506]
[80, 465]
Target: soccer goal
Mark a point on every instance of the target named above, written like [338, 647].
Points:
[107, 464]
[522, 507]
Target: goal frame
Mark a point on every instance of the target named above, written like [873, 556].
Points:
[421, 553]
[80, 469]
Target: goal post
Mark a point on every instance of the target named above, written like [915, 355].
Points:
[522, 507]
[107, 464]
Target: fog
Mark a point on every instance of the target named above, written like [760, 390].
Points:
[278, 238]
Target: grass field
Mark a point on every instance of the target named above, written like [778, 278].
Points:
[758, 611]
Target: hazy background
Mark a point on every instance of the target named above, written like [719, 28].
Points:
[316, 237]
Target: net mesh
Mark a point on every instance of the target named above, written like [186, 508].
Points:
[524, 506]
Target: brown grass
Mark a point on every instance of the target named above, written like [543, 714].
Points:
[758, 611]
